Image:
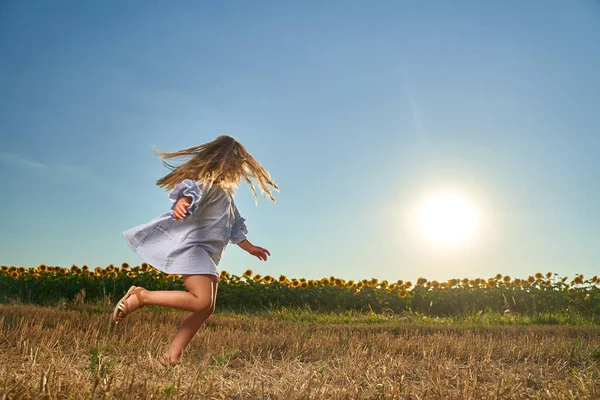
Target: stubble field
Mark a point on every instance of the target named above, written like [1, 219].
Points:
[59, 353]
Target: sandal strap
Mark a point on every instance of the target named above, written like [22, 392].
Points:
[138, 294]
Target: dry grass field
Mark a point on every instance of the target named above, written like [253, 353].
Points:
[59, 353]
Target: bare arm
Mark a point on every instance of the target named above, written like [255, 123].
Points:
[180, 209]
[256, 251]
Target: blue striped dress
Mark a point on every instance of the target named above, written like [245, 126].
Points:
[195, 244]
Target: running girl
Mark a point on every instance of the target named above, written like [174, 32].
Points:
[191, 238]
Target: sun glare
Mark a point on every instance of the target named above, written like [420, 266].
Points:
[447, 220]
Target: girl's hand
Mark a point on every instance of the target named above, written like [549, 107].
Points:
[259, 252]
[180, 209]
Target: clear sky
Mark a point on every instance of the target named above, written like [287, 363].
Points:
[361, 111]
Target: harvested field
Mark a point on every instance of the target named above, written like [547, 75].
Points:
[58, 353]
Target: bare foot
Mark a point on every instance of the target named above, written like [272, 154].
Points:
[169, 361]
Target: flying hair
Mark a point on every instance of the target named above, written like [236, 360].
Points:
[222, 162]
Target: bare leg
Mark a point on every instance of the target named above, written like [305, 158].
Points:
[189, 327]
[198, 298]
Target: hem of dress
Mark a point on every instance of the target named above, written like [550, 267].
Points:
[159, 266]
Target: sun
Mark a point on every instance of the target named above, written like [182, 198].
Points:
[447, 219]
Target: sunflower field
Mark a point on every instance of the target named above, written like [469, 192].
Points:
[539, 293]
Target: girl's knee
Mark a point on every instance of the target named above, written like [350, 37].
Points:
[204, 306]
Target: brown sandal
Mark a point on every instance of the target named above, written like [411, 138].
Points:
[122, 305]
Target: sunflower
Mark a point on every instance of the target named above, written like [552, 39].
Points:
[98, 271]
[41, 267]
[338, 282]
[506, 279]
[85, 268]
[325, 281]
[4, 268]
[22, 270]
[110, 268]
[548, 275]
[518, 282]
[124, 266]
[224, 275]
[498, 276]
[295, 283]
[359, 285]
[465, 281]
[356, 291]
[403, 293]
[531, 279]
[145, 267]
[14, 274]
[31, 271]
[303, 280]
[408, 285]
[539, 276]
[247, 274]
[282, 278]
[491, 283]
[12, 269]
[578, 280]
[435, 284]
[350, 283]
[421, 281]
[257, 278]
[563, 280]
[304, 285]
[131, 274]
[268, 279]
[374, 281]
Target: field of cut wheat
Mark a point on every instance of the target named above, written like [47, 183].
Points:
[296, 338]
[61, 353]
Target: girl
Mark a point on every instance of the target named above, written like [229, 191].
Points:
[190, 240]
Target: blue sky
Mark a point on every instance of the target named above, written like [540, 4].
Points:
[360, 110]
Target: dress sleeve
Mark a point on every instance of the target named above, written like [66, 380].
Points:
[187, 188]
[239, 230]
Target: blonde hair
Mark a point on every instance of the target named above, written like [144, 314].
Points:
[222, 162]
